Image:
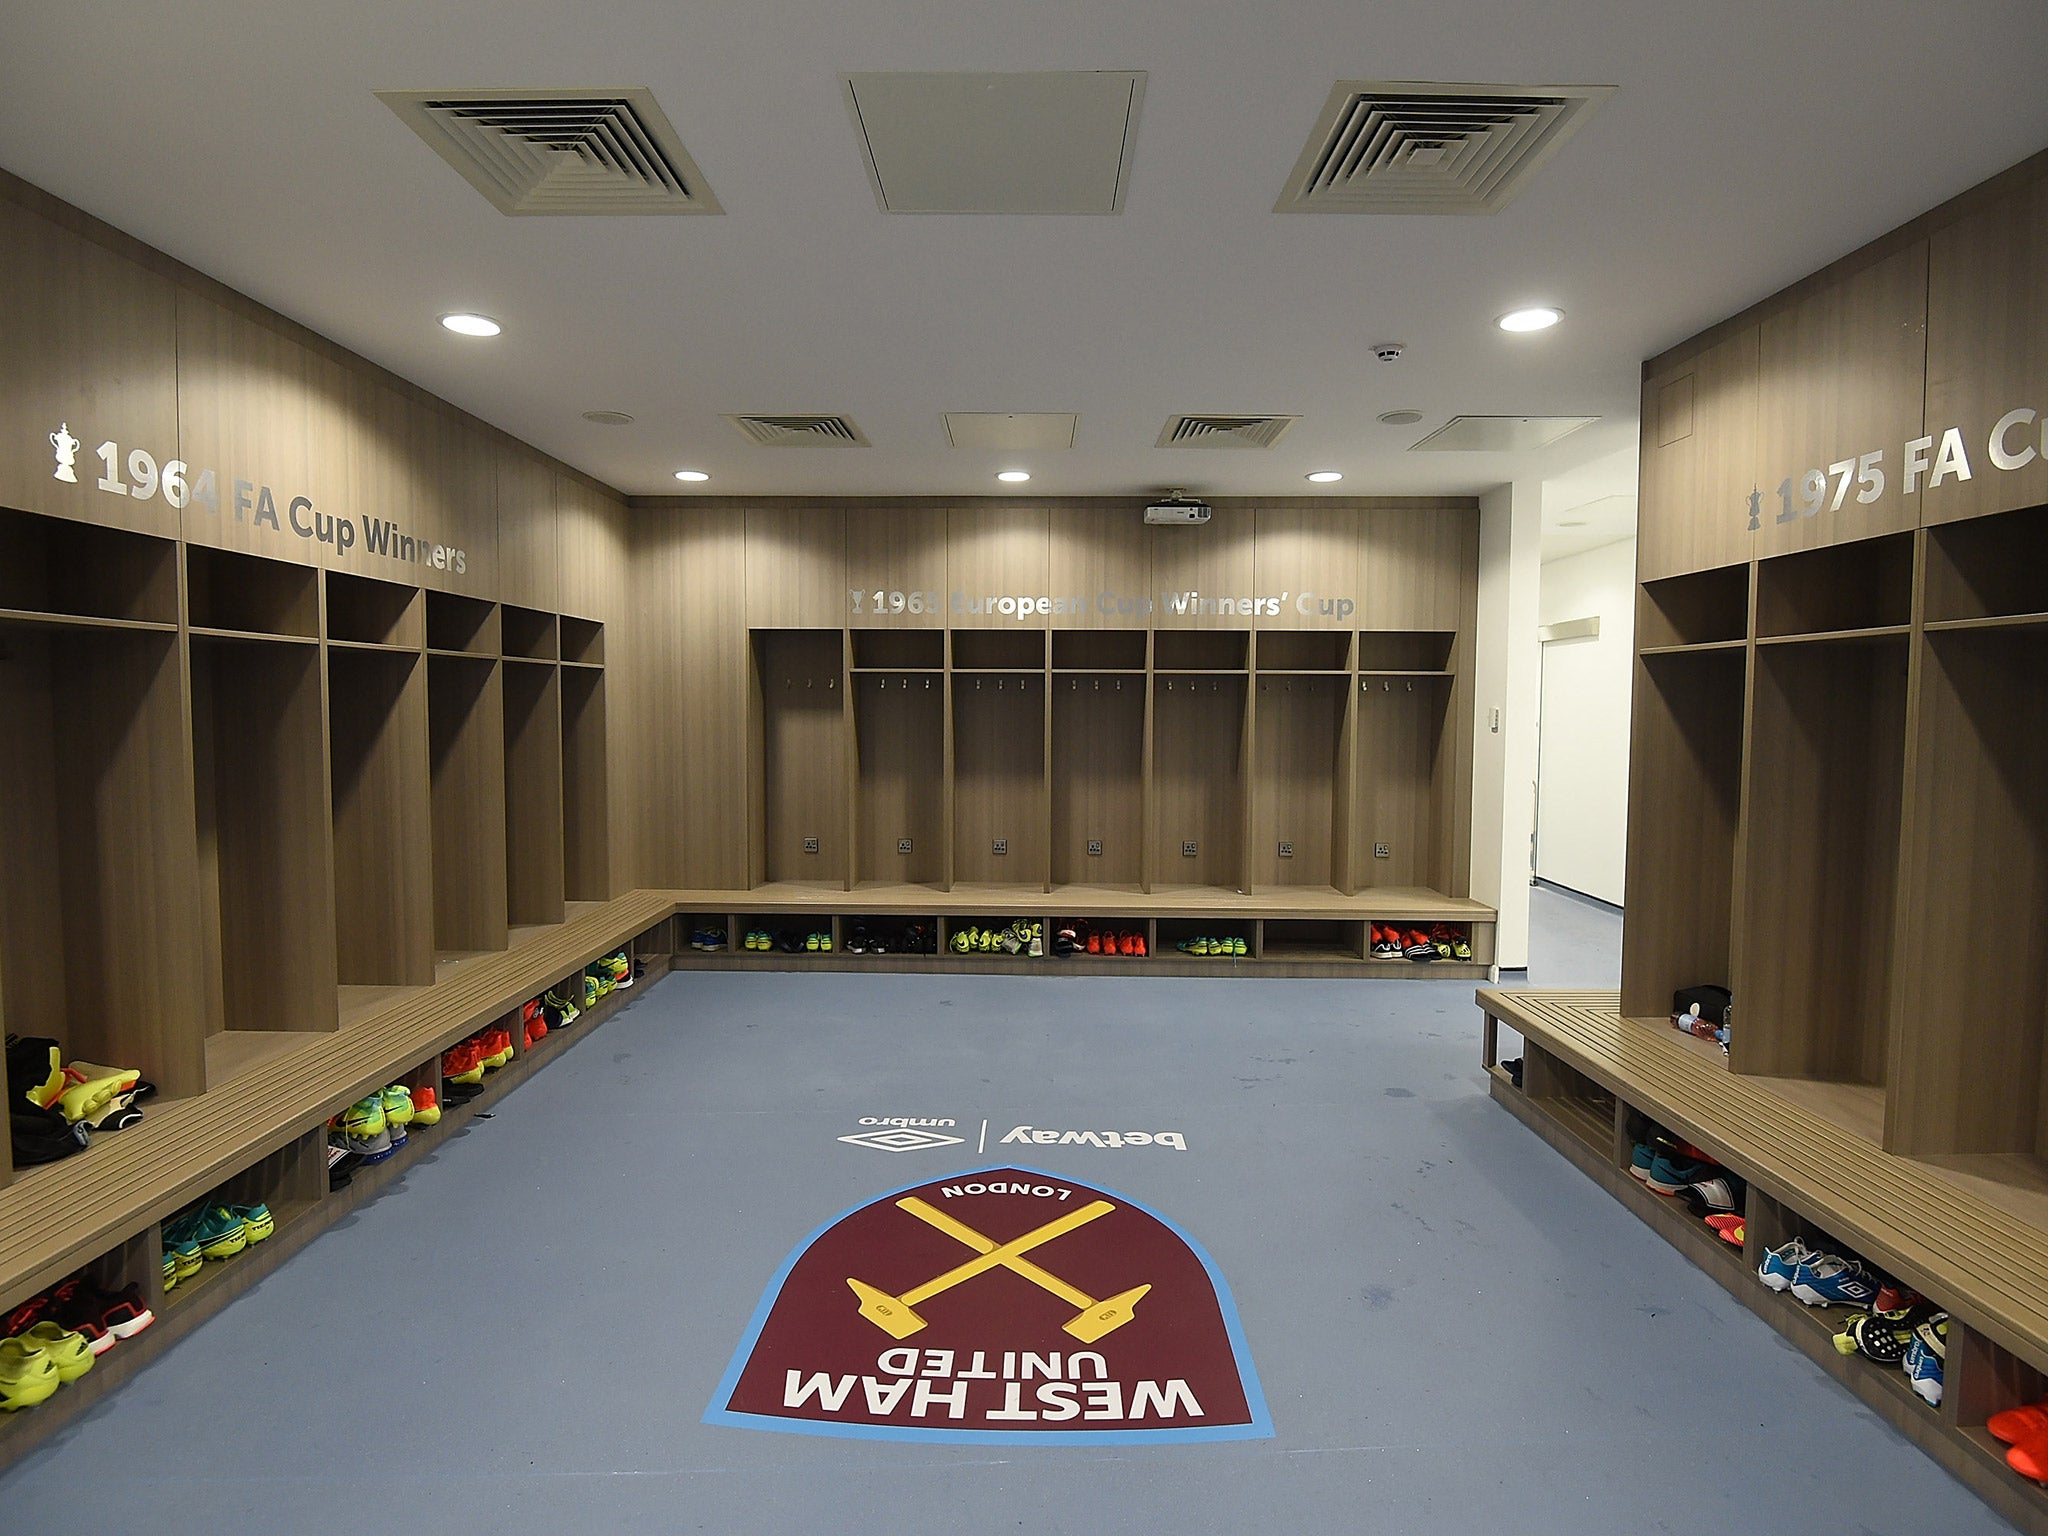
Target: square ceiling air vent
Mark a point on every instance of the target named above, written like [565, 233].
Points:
[799, 431]
[1048, 141]
[1499, 434]
[560, 152]
[1224, 431]
[1400, 146]
[1011, 431]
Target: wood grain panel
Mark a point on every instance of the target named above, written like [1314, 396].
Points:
[458, 506]
[1297, 763]
[1700, 461]
[1685, 796]
[1812, 957]
[1098, 784]
[271, 827]
[529, 531]
[896, 546]
[1987, 275]
[264, 412]
[466, 755]
[999, 780]
[1413, 564]
[87, 343]
[383, 818]
[534, 872]
[31, 851]
[1198, 781]
[593, 549]
[994, 550]
[1968, 1062]
[1312, 555]
[901, 738]
[586, 787]
[802, 715]
[796, 565]
[1214, 561]
[1842, 373]
[1404, 730]
[1098, 551]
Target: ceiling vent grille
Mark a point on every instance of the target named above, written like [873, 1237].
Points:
[799, 431]
[1224, 431]
[560, 152]
[1408, 147]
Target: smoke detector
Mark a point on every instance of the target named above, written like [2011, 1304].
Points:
[1390, 351]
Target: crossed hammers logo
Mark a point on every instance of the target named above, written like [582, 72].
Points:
[897, 1315]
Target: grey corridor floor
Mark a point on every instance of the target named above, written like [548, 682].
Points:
[1455, 1330]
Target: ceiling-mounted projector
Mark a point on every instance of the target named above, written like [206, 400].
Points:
[1179, 507]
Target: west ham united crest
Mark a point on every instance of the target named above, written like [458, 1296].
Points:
[997, 1306]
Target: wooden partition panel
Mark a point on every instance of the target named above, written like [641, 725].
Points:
[999, 724]
[1297, 766]
[383, 818]
[1700, 459]
[466, 744]
[800, 714]
[1198, 728]
[1405, 734]
[1813, 956]
[534, 870]
[586, 787]
[1098, 780]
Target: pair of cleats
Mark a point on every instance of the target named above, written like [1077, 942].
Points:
[1018, 938]
[211, 1231]
[1819, 1278]
[102, 1318]
[35, 1362]
[1212, 948]
[533, 1024]
[374, 1126]
[1440, 941]
[559, 1006]
[2025, 1431]
[710, 940]
[603, 977]
[790, 942]
[1131, 945]
[1673, 1167]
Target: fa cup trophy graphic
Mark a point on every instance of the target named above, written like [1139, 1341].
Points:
[67, 453]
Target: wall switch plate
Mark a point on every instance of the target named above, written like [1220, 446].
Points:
[1000, 845]
[810, 845]
[1286, 850]
[903, 845]
[1187, 850]
[1094, 847]
[1383, 850]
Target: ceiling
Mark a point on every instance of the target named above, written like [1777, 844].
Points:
[1748, 142]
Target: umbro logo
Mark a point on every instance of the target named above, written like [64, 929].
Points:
[902, 1135]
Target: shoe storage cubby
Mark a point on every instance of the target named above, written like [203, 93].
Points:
[1990, 568]
[1169, 933]
[1575, 1102]
[382, 802]
[1098, 776]
[1838, 590]
[266, 883]
[289, 1182]
[1702, 608]
[466, 757]
[800, 740]
[999, 779]
[1312, 939]
[363, 611]
[534, 868]
[1820, 871]
[49, 566]
[1297, 777]
[901, 808]
[231, 594]
[1686, 732]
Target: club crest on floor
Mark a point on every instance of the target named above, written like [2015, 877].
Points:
[998, 1305]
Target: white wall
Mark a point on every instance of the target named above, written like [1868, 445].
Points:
[1582, 803]
[1504, 689]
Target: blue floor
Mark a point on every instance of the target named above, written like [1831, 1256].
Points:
[1456, 1331]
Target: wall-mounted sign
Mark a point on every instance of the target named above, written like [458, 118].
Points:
[997, 1306]
[1032, 605]
[2017, 439]
[141, 475]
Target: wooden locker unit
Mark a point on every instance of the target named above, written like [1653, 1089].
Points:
[901, 729]
[534, 867]
[383, 815]
[586, 781]
[1700, 461]
[466, 756]
[1298, 768]
[1098, 766]
[1198, 771]
[800, 730]
[999, 770]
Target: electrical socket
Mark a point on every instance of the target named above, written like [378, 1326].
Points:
[1188, 850]
[1094, 847]
[1286, 850]
[1383, 850]
[810, 845]
[903, 845]
[1000, 845]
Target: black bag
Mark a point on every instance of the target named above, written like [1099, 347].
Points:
[42, 1135]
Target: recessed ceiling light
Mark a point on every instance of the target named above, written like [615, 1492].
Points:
[1325, 476]
[608, 418]
[691, 475]
[1013, 476]
[1540, 318]
[471, 325]
[1400, 418]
